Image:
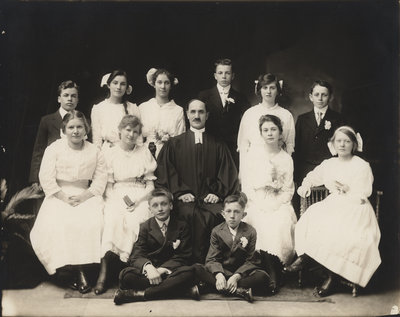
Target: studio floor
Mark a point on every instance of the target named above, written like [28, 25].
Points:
[50, 300]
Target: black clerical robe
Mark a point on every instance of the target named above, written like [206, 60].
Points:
[200, 169]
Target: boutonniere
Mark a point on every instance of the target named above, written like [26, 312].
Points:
[176, 244]
[230, 100]
[162, 136]
[244, 242]
[328, 125]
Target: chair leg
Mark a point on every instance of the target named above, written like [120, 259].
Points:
[355, 290]
[300, 278]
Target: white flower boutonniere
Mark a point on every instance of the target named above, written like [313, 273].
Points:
[176, 244]
[328, 125]
[244, 242]
[230, 100]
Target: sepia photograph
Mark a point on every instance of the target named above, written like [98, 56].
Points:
[199, 158]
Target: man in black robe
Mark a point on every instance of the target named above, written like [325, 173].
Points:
[199, 171]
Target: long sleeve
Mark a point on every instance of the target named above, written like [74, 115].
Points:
[243, 140]
[47, 173]
[290, 141]
[315, 177]
[38, 151]
[214, 256]
[99, 180]
[250, 249]
[286, 193]
[181, 127]
[96, 126]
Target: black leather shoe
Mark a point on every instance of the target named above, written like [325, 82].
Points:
[74, 285]
[297, 265]
[193, 293]
[327, 288]
[100, 287]
[84, 286]
[245, 293]
[128, 296]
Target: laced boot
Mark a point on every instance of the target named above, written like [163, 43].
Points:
[128, 296]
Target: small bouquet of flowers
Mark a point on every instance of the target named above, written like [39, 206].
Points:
[162, 136]
[276, 183]
[176, 244]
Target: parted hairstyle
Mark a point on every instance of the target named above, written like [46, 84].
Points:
[167, 73]
[223, 61]
[115, 73]
[266, 79]
[196, 99]
[322, 83]
[270, 118]
[160, 192]
[132, 121]
[75, 114]
[349, 131]
[238, 197]
[65, 85]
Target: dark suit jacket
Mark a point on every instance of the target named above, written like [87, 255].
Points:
[48, 132]
[153, 247]
[311, 140]
[228, 256]
[223, 122]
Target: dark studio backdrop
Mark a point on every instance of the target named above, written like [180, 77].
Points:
[354, 45]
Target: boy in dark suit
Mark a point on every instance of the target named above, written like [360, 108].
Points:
[158, 263]
[50, 126]
[314, 129]
[226, 107]
[230, 266]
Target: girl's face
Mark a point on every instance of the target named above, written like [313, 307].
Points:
[129, 135]
[320, 96]
[75, 131]
[162, 86]
[118, 87]
[343, 145]
[270, 132]
[269, 92]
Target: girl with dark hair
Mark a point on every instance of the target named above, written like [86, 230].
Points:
[68, 227]
[107, 114]
[162, 118]
[130, 167]
[340, 232]
[268, 88]
[268, 184]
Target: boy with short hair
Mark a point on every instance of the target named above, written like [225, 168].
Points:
[230, 264]
[158, 266]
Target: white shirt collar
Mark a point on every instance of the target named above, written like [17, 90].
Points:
[62, 112]
[198, 135]
[233, 231]
[323, 111]
[160, 223]
[223, 89]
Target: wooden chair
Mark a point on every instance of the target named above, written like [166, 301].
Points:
[320, 193]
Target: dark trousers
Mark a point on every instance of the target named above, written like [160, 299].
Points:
[258, 279]
[172, 285]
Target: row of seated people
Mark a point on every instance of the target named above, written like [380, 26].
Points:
[199, 171]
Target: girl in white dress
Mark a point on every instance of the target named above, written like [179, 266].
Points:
[107, 114]
[68, 227]
[268, 88]
[341, 232]
[130, 179]
[162, 118]
[268, 184]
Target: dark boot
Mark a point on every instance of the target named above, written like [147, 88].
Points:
[245, 293]
[273, 267]
[192, 292]
[128, 296]
[328, 286]
[84, 286]
[298, 265]
[100, 287]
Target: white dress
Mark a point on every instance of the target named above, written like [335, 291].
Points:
[128, 171]
[341, 232]
[159, 121]
[268, 184]
[63, 234]
[106, 117]
[249, 131]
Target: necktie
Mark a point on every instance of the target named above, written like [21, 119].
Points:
[224, 95]
[319, 117]
[163, 229]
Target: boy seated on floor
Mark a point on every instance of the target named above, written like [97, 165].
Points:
[230, 265]
[158, 266]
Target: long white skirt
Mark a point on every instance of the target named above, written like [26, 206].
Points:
[121, 228]
[275, 228]
[65, 235]
[343, 235]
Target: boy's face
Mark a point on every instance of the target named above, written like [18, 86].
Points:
[233, 214]
[224, 75]
[68, 99]
[160, 207]
[320, 97]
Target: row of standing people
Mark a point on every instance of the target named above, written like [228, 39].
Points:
[281, 168]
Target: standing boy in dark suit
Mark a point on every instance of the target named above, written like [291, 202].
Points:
[226, 107]
[50, 125]
[313, 131]
[230, 265]
[158, 263]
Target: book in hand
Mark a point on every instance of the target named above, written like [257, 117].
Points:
[128, 201]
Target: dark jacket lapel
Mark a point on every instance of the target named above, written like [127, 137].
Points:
[226, 235]
[216, 99]
[155, 232]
